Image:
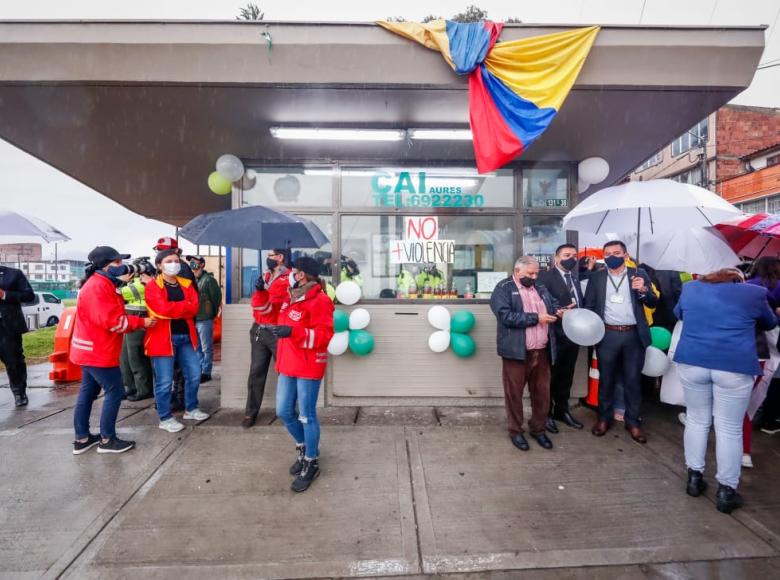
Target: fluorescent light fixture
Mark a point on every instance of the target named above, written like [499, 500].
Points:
[318, 171]
[441, 134]
[318, 134]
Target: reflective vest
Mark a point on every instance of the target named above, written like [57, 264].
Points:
[404, 281]
[330, 291]
[424, 278]
[134, 295]
[357, 278]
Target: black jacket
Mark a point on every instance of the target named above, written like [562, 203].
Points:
[596, 296]
[17, 290]
[507, 305]
[553, 281]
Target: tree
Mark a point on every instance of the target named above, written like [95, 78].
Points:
[513, 20]
[250, 12]
[471, 14]
[430, 18]
[396, 19]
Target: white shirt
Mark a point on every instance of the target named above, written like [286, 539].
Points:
[563, 274]
[618, 308]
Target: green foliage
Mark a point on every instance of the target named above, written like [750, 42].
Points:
[250, 12]
[471, 14]
[430, 18]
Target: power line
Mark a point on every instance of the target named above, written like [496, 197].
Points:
[768, 66]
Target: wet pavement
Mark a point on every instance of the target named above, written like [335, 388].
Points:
[411, 491]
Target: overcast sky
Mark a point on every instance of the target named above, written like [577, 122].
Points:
[30, 186]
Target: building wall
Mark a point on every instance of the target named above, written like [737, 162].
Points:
[17, 252]
[741, 131]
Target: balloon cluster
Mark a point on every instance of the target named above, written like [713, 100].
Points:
[452, 331]
[656, 360]
[230, 169]
[351, 333]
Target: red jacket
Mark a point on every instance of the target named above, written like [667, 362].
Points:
[158, 338]
[100, 323]
[304, 354]
[267, 303]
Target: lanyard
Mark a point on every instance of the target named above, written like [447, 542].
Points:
[619, 284]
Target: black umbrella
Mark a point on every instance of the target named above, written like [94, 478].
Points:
[255, 227]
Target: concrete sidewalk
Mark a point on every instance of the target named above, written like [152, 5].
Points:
[403, 491]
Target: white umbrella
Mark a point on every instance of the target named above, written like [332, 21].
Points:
[16, 224]
[694, 250]
[648, 208]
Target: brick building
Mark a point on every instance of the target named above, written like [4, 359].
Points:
[22, 252]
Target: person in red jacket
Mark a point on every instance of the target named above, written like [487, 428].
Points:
[304, 329]
[96, 346]
[270, 293]
[173, 301]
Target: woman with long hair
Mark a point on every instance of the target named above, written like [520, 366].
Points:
[304, 330]
[717, 362]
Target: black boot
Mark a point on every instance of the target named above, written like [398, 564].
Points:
[296, 467]
[309, 472]
[728, 499]
[20, 399]
[696, 484]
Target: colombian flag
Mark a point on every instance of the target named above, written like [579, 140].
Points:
[515, 88]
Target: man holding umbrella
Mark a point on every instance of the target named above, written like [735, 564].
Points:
[14, 289]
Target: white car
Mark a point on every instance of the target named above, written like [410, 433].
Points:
[47, 306]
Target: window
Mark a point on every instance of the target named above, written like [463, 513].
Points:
[38, 276]
[693, 176]
[548, 188]
[773, 204]
[772, 160]
[291, 187]
[51, 299]
[695, 137]
[36, 300]
[654, 160]
[38, 267]
[755, 206]
[541, 235]
[63, 267]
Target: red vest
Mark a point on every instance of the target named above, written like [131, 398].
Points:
[158, 338]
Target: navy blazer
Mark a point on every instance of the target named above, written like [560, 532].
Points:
[17, 290]
[507, 305]
[596, 298]
[553, 281]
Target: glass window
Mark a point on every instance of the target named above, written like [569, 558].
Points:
[410, 187]
[51, 299]
[541, 235]
[654, 160]
[755, 206]
[394, 256]
[546, 188]
[694, 137]
[291, 187]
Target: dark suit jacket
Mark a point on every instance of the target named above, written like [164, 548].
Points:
[596, 297]
[17, 290]
[553, 281]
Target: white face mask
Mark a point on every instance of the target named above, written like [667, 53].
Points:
[171, 268]
[292, 280]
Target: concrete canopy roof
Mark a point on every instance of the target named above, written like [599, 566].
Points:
[141, 110]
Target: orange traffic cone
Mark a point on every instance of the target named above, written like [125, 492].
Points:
[593, 381]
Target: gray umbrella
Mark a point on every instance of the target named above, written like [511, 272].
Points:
[16, 224]
[255, 227]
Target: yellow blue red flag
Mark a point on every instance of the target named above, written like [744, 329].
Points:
[515, 88]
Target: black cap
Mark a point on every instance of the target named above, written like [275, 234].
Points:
[200, 259]
[307, 265]
[103, 255]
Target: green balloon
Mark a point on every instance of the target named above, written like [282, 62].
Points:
[462, 344]
[219, 184]
[661, 338]
[340, 321]
[462, 321]
[361, 342]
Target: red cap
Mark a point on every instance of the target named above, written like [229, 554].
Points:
[166, 244]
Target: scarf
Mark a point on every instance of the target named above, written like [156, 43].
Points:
[298, 294]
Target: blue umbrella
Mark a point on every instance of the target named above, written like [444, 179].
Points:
[255, 227]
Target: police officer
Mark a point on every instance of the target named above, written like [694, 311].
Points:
[136, 366]
[14, 289]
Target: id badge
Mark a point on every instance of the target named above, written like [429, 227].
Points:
[616, 299]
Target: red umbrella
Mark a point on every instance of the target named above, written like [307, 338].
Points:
[754, 236]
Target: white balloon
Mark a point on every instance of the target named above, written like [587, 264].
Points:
[583, 327]
[230, 167]
[348, 293]
[593, 170]
[439, 341]
[359, 319]
[439, 317]
[249, 180]
[339, 343]
[582, 186]
[656, 362]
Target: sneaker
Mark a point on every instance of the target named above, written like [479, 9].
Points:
[772, 427]
[204, 378]
[115, 445]
[309, 472]
[728, 499]
[696, 484]
[683, 419]
[195, 415]
[79, 447]
[747, 461]
[296, 467]
[171, 425]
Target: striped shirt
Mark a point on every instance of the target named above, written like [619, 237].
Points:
[536, 335]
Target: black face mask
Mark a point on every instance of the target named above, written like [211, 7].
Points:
[271, 263]
[527, 281]
[569, 264]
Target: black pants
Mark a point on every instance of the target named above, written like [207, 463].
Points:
[620, 354]
[263, 351]
[772, 402]
[563, 375]
[12, 356]
[136, 366]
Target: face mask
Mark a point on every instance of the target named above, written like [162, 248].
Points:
[293, 281]
[614, 262]
[116, 271]
[171, 268]
[194, 265]
[568, 264]
[527, 281]
[271, 263]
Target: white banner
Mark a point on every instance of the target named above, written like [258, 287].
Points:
[422, 252]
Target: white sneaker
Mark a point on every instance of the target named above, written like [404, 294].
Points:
[747, 461]
[171, 425]
[682, 418]
[195, 415]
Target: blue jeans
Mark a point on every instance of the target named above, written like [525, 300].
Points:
[303, 425]
[205, 345]
[725, 396]
[187, 358]
[92, 380]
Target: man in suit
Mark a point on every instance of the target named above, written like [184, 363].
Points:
[14, 289]
[618, 295]
[525, 312]
[563, 282]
